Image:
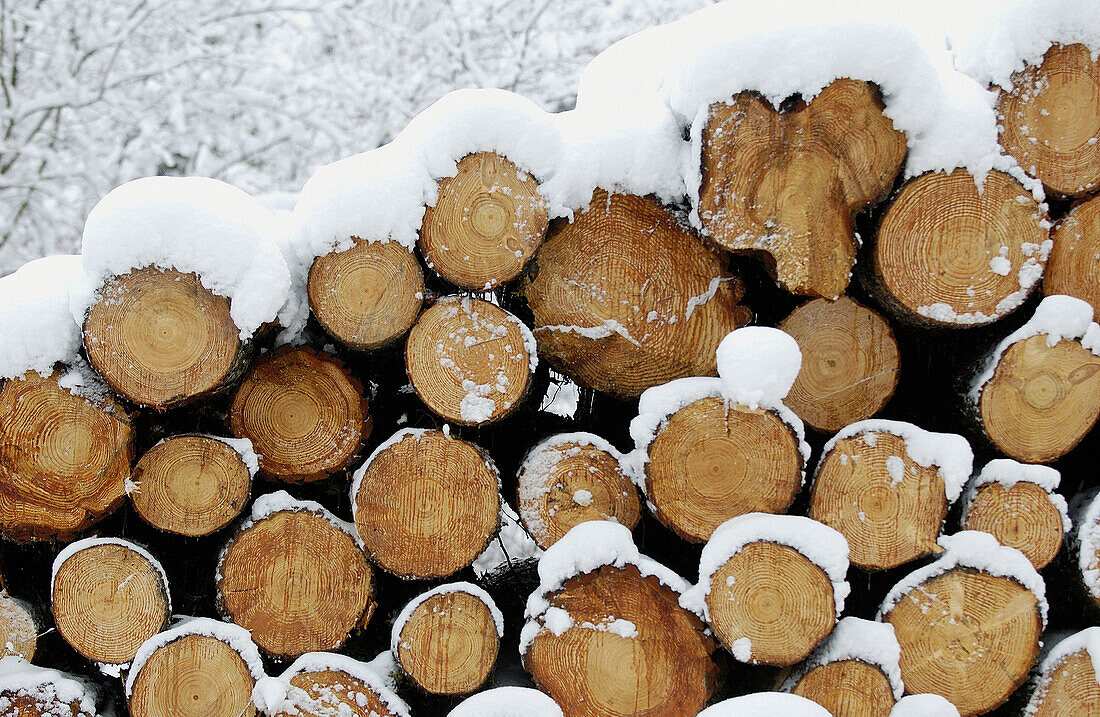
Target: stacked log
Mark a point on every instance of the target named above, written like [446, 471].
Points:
[1072, 268]
[1067, 682]
[324, 683]
[18, 628]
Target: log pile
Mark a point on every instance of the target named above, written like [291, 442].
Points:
[419, 498]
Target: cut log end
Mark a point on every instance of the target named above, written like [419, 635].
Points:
[563, 484]
[161, 339]
[1071, 688]
[776, 598]
[325, 693]
[849, 363]
[427, 505]
[190, 485]
[949, 255]
[195, 676]
[969, 636]
[469, 360]
[107, 599]
[18, 628]
[886, 505]
[1050, 119]
[1073, 267]
[1041, 400]
[839, 150]
[449, 644]
[712, 462]
[64, 460]
[297, 582]
[848, 687]
[304, 413]
[663, 668]
[1020, 517]
[368, 296]
[488, 221]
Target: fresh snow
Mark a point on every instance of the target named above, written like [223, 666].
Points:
[244, 449]
[1086, 538]
[1008, 473]
[274, 694]
[924, 705]
[512, 544]
[1087, 640]
[562, 396]
[979, 551]
[948, 452]
[817, 542]
[765, 703]
[20, 678]
[75, 547]
[873, 643]
[758, 365]
[508, 702]
[457, 587]
[37, 329]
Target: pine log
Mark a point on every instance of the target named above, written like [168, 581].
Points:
[1050, 120]
[190, 485]
[664, 670]
[18, 628]
[947, 254]
[625, 297]
[426, 504]
[162, 339]
[888, 507]
[325, 684]
[448, 643]
[305, 414]
[368, 296]
[64, 459]
[30, 691]
[294, 579]
[469, 361]
[967, 635]
[488, 221]
[1021, 517]
[569, 479]
[1074, 264]
[849, 363]
[108, 597]
[848, 687]
[789, 183]
[1067, 682]
[714, 460]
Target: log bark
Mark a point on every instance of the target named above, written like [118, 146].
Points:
[967, 635]
[713, 461]
[368, 296]
[888, 507]
[946, 254]
[190, 485]
[426, 505]
[449, 644]
[1050, 119]
[468, 360]
[305, 414]
[566, 480]
[161, 339]
[1020, 517]
[296, 581]
[666, 670]
[18, 628]
[486, 224]
[1073, 267]
[789, 183]
[1070, 687]
[64, 459]
[849, 363]
[848, 687]
[624, 297]
[193, 676]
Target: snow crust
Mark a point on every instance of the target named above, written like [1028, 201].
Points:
[457, 587]
[948, 452]
[1058, 317]
[820, 544]
[37, 329]
[1087, 541]
[190, 224]
[512, 544]
[979, 551]
[1008, 473]
[758, 365]
[508, 702]
[235, 636]
[1087, 640]
[274, 694]
[924, 705]
[75, 547]
[765, 703]
[21, 678]
[873, 643]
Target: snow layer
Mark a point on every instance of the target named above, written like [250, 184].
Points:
[508, 702]
[511, 545]
[820, 544]
[1087, 640]
[75, 547]
[36, 327]
[924, 705]
[948, 452]
[1058, 317]
[980, 551]
[190, 224]
[20, 678]
[1086, 539]
[765, 703]
[272, 694]
[758, 365]
[235, 636]
[457, 587]
[1008, 473]
[855, 639]
[244, 449]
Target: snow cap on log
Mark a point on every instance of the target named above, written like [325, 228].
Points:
[853, 638]
[1007, 473]
[56, 692]
[765, 703]
[36, 326]
[273, 695]
[508, 702]
[457, 587]
[924, 705]
[1085, 643]
[189, 224]
[1086, 540]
